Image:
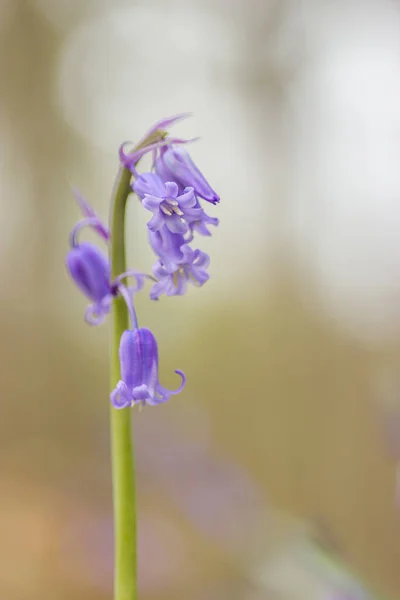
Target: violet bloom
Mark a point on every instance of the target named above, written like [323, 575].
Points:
[167, 246]
[90, 270]
[138, 355]
[175, 164]
[168, 207]
[190, 269]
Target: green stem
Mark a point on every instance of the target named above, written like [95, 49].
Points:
[124, 494]
[125, 576]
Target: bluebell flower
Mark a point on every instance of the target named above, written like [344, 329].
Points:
[90, 270]
[191, 268]
[167, 246]
[139, 384]
[176, 164]
[168, 207]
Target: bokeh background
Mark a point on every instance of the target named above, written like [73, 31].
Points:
[287, 435]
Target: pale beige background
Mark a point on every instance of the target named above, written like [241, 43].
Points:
[291, 346]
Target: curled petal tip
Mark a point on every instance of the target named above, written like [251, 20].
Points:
[95, 314]
[124, 157]
[120, 396]
[183, 382]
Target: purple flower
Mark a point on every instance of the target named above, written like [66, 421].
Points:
[191, 268]
[178, 264]
[90, 270]
[175, 164]
[138, 355]
[167, 246]
[168, 208]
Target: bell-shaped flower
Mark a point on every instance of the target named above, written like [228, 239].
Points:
[168, 206]
[90, 270]
[176, 164]
[139, 384]
[191, 268]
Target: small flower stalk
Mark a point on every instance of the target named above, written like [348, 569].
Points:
[173, 191]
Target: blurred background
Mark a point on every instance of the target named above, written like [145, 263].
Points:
[282, 450]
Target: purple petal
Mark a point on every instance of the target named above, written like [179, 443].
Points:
[159, 270]
[167, 122]
[187, 254]
[141, 394]
[120, 397]
[171, 189]
[138, 354]
[179, 287]
[96, 313]
[157, 399]
[167, 246]
[211, 220]
[200, 275]
[158, 289]
[188, 199]
[149, 183]
[163, 172]
[156, 222]
[167, 286]
[180, 164]
[201, 259]
[90, 270]
[193, 214]
[164, 393]
[151, 202]
[176, 224]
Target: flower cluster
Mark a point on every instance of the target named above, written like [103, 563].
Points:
[172, 191]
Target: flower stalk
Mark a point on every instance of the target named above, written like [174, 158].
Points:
[122, 455]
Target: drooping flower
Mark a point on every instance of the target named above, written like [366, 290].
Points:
[191, 268]
[90, 270]
[167, 246]
[168, 207]
[139, 384]
[176, 164]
